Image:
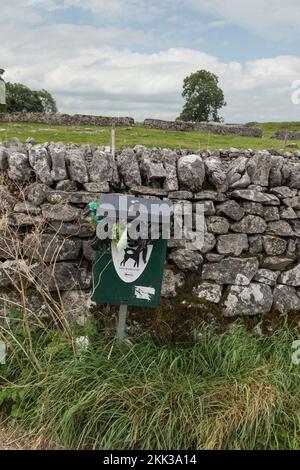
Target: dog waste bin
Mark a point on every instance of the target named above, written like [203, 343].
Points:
[131, 249]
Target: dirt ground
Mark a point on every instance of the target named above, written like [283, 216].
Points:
[4, 442]
[11, 438]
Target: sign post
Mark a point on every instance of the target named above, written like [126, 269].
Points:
[121, 333]
[113, 141]
[129, 270]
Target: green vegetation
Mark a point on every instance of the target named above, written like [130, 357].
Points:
[227, 391]
[203, 97]
[137, 134]
[20, 98]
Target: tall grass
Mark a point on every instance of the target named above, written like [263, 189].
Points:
[228, 391]
[21, 278]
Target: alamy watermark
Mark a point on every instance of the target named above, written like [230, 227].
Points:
[2, 352]
[178, 221]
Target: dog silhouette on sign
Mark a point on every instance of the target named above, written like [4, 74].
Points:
[134, 250]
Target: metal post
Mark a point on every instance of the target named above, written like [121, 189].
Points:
[113, 141]
[121, 332]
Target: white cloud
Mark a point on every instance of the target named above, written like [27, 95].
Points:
[88, 77]
[50, 5]
[16, 13]
[277, 19]
[87, 71]
[137, 10]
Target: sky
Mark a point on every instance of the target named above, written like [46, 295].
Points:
[129, 57]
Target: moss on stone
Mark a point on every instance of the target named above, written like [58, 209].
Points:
[176, 318]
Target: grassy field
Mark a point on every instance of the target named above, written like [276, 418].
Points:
[137, 134]
[228, 391]
[270, 127]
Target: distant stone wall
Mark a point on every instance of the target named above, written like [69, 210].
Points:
[66, 119]
[248, 265]
[288, 135]
[204, 127]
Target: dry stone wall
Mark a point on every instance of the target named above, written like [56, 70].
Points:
[66, 119]
[248, 265]
[241, 130]
[286, 135]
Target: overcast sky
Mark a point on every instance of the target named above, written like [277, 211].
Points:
[129, 57]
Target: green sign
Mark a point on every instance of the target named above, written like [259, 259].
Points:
[119, 279]
[129, 273]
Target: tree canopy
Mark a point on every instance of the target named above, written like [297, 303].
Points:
[203, 97]
[20, 98]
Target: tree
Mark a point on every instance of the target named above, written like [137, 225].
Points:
[48, 101]
[203, 97]
[20, 98]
